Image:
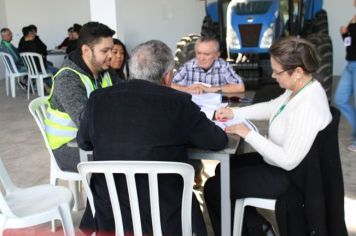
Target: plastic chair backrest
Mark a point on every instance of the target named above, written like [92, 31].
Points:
[8, 186]
[129, 169]
[9, 63]
[34, 63]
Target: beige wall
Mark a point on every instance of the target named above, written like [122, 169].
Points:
[339, 13]
[52, 18]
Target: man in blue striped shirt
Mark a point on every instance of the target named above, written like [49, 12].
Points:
[207, 72]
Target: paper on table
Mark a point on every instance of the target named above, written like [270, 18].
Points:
[207, 99]
[208, 103]
[235, 121]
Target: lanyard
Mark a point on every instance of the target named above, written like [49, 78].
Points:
[286, 102]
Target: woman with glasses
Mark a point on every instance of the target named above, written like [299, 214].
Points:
[295, 118]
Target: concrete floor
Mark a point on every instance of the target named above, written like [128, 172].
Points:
[26, 158]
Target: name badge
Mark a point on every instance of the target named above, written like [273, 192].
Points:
[347, 41]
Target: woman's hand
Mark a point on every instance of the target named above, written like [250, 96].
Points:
[224, 114]
[239, 129]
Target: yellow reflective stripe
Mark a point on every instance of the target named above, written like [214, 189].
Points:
[106, 80]
[85, 80]
[57, 142]
[65, 121]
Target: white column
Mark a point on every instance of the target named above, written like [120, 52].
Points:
[104, 11]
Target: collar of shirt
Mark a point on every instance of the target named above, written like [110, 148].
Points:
[216, 64]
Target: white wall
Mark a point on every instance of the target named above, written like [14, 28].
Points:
[339, 13]
[104, 11]
[2, 25]
[166, 20]
[52, 18]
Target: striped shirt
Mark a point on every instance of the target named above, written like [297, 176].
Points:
[221, 73]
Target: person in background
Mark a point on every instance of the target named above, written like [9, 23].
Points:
[119, 70]
[82, 73]
[64, 43]
[145, 119]
[347, 85]
[7, 47]
[295, 118]
[209, 69]
[32, 43]
[206, 73]
[72, 44]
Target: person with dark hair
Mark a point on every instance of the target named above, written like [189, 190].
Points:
[346, 87]
[207, 68]
[119, 62]
[7, 47]
[32, 43]
[72, 43]
[295, 119]
[82, 72]
[145, 119]
[64, 43]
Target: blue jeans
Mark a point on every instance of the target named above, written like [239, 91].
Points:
[344, 91]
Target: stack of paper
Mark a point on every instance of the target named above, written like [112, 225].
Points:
[208, 102]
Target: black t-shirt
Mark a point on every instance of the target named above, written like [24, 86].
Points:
[351, 50]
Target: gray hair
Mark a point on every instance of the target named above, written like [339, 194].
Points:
[151, 61]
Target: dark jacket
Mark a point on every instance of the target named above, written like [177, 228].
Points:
[314, 205]
[139, 120]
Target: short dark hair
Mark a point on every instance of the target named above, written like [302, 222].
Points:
[204, 39]
[70, 29]
[292, 52]
[26, 30]
[76, 28]
[4, 30]
[92, 32]
[32, 28]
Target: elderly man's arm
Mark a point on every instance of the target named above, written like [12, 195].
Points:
[233, 88]
[194, 89]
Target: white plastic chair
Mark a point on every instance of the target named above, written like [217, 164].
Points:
[130, 168]
[38, 109]
[11, 73]
[25, 207]
[240, 204]
[30, 59]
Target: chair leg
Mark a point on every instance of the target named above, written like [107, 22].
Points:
[67, 222]
[74, 187]
[13, 86]
[40, 87]
[7, 78]
[2, 224]
[238, 217]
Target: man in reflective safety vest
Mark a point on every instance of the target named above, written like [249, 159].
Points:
[82, 72]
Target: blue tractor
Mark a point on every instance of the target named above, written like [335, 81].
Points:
[247, 28]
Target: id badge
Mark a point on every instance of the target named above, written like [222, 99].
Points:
[347, 41]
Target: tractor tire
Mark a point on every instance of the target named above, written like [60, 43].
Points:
[185, 50]
[209, 28]
[320, 23]
[324, 74]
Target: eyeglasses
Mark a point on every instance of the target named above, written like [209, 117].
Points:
[281, 72]
[230, 99]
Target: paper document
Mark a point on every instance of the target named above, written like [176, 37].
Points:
[208, 103]
[235, 121]
[207, 99]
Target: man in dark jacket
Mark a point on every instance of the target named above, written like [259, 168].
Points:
[144, 119]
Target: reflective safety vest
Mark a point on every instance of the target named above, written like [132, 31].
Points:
[59, 127]
[106, 80]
